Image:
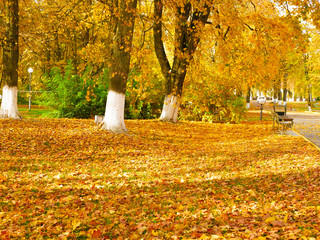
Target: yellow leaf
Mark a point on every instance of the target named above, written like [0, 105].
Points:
[75, 223]
[180, 208]
[252, 193]
[270, 219]
[3, 187]
[154, 233]
[203, 236]
[178, 226]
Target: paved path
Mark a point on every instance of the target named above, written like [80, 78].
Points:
[307, 124]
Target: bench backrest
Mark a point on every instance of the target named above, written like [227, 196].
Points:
[280, 110]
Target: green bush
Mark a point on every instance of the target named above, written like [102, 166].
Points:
[75, 96]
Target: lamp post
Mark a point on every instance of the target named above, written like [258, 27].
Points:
[30, 71]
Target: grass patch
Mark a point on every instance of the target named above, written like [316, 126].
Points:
[35, 112]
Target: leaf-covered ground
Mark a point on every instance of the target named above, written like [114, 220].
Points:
[67, 179]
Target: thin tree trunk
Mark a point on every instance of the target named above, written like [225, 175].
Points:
[9, 104]
[285, 88]
[306, 72]
[310, 97]
[279, 95]
[123, 25]
[276, 89]
[248, 97]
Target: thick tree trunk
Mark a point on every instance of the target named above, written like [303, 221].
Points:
[174, 85]
[170, 108]
[9, 105]
[114, 115]
[123, 25]
[189, 21]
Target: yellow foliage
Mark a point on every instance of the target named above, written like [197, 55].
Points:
[79, 181]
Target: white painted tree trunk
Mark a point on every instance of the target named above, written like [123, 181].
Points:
[9, 104]
[248, 105]
[170, 109]
[114, 115]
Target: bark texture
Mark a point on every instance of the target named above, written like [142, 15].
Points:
[189, 21]
[9, 107]
[122, 23]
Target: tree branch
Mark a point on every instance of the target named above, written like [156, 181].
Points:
[254, 6]
[225, 35]
[249, 27]
[158, 41]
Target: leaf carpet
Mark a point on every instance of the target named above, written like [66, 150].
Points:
[67, 179]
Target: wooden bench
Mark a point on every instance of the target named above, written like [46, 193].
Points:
[280, 118]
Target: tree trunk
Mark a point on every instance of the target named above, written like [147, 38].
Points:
[114, 114]
[174, 87]
[285, 88]
[188, 23]
[248, 98]
[9, 104]
[279, 96]
[310, 97]
[123, 25]
[306, 72]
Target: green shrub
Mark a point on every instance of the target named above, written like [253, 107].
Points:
[75, 96]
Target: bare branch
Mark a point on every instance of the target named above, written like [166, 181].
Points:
[252, 29]
[225, 35]
[254, 6]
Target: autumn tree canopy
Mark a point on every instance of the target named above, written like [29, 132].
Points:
[205, 52]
